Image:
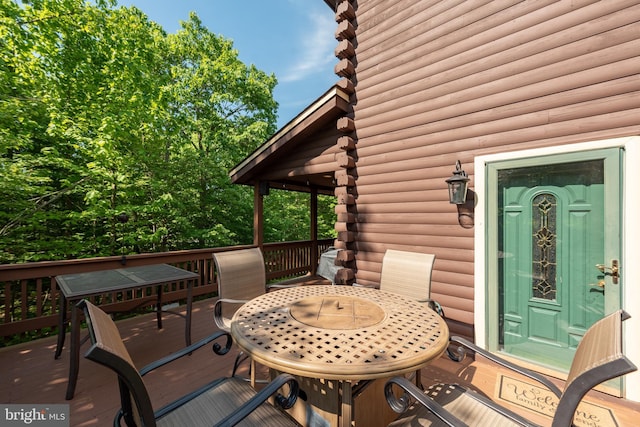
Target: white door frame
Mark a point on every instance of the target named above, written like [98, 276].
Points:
[630, 259]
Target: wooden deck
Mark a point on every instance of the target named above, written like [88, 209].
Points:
[29, 373]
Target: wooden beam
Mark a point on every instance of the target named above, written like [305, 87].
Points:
[313, 207]
[258, 216]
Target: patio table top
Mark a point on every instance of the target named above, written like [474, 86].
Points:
[339, 332]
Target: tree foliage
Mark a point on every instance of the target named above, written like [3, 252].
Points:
[103, 113]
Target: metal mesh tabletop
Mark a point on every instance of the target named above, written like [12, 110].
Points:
[82, 285]
[339, 332]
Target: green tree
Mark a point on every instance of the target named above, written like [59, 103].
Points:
[85, 90]
[36, 174]
[101, 113]
[221, 110]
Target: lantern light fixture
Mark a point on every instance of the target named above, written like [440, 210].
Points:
[458, 185]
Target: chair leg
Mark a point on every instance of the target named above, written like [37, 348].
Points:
[458, 355]
[241, 357]
[419, 380]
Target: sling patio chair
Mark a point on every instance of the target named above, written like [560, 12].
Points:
[223, 402]
[409, 274]
[598, 358]
[241, 277]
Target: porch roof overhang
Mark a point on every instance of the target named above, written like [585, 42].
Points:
[285, 146]
[331, 4]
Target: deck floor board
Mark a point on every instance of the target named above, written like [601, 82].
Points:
[30, 374]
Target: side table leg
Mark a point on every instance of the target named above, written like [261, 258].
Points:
[74, 364]
[62, 323]
[159, 306]
[187, 327]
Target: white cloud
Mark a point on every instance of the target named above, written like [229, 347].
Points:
[314, 49]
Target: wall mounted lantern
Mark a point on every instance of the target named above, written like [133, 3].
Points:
[458, 185]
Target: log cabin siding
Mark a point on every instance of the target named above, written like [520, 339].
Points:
[438, 81]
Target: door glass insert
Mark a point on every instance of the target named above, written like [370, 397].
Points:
[544, 246]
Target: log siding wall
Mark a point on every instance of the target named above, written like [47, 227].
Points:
[442, 80]
[345, 162]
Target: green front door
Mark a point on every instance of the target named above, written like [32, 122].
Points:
[557, 218]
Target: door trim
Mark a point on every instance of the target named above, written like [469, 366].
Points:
[630, 251]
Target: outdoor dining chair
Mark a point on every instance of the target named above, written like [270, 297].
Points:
[223, 402]
[241, 277]
[409, 274]
[598, 358]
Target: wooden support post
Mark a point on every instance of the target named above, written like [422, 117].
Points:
[313, 207]
[258, 216]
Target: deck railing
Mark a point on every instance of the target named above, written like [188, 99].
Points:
[30, 298]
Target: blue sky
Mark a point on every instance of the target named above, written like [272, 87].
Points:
[293, 39]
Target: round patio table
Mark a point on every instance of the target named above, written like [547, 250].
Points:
[345, 333]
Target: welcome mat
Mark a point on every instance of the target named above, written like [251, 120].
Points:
[542, 401]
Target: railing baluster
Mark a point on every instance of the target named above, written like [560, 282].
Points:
[39, 295]
[24, 297]
[7, 302]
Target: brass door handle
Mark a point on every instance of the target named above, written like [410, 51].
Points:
[613, 271]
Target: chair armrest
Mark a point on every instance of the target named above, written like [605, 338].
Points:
[285, 402]
[190, 349]
[434, 305]
[218, 318]
[282, 285]
[468, 345]
[292, 282]
[402, 403]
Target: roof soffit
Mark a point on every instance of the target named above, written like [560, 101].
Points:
[331, 4]
[319, 116]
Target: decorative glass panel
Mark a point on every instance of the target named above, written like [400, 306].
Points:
[544, 246]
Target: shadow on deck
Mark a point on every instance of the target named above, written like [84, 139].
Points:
[30, 374]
